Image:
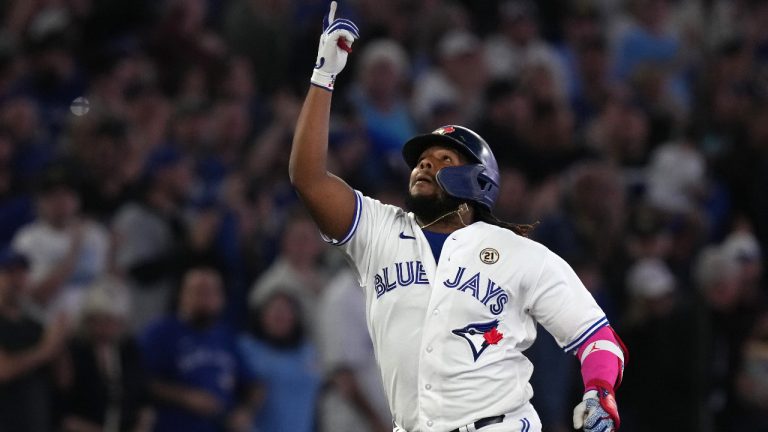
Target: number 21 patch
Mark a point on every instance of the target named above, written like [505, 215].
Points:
[489, 255]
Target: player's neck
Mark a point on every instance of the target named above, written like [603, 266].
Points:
[451, 221]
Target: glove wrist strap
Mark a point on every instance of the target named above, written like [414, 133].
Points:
[323, 79]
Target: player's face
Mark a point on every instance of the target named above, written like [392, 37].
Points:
[423, 181]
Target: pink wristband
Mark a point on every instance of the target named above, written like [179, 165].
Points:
[602, 358]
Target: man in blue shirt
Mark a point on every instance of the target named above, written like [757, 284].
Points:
[196, 372]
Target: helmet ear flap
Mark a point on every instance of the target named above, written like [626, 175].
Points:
[469, 182]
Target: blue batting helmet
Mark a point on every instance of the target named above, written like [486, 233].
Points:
[477, 181]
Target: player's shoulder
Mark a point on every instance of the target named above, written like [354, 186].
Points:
[512, 239]
[380, 207]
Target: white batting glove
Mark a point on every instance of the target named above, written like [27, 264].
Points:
[597, 412]
[335, 45]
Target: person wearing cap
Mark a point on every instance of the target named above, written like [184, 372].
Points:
[106, 389]
[27, 350]
[66, 249]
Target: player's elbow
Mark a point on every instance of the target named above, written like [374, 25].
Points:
[304, 179]
[299, 178]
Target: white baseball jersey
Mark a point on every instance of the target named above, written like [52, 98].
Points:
[449, 336]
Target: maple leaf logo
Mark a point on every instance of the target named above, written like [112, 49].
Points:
[493, 336]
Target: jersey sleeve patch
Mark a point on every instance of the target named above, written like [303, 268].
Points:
[353, 228]
[602, 322]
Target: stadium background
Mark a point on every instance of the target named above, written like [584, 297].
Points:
[634, 132]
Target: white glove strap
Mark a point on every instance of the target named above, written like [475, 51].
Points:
[322, 79]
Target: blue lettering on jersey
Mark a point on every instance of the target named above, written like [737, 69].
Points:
[472, 284]
[492, 291]
[454, 283]
[405, 274]
[405, 281]
[421, 274]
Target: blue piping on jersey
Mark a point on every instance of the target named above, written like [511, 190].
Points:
[355, 222]
[602, 322]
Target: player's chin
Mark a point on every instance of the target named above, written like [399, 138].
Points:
[423, 189]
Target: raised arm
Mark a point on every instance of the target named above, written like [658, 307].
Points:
[330, 201]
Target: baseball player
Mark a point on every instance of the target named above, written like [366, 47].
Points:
[453, 294]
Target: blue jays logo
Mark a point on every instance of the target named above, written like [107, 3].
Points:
[480, 336]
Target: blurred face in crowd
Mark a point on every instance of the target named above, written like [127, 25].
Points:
[176, 179]
[21, 118]
[104, 327]
[724, 293]
[279, 318]
[520, 29]
[202, 297]
[301, 243]
[59, 206]
[231, 123]
[467, 69]
[13, 282]
[382, 79]
[593, 61]
[652, 13]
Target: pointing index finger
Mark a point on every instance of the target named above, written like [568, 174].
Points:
[332, 13]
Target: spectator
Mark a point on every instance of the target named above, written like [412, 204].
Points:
[195, 369]
[100, 147]
[66, 250]
[456, 81]
[517, 45]
[676, 176]
[354, 399]
[33, 150]
[723, 330]
[27, 353]
[284, 361]
[105, 388]
[296, 270]
[508, 112]
[753, 378]
[151, 234]
[659, 329]
[380, 98]
[256, 30]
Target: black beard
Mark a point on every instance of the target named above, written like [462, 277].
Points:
[429, 208]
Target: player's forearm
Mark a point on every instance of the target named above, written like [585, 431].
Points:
[309, 152]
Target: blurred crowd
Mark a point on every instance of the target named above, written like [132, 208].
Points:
[157, 271]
